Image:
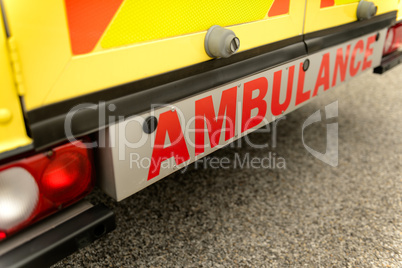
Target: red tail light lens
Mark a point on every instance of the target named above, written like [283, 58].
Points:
[394, 39]
[66, 177]
[38, 186]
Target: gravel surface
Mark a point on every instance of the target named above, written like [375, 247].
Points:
[306, 214]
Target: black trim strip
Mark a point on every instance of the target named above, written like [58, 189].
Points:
[131, 98]
[330, 37]
[61, 241]
[8, 155]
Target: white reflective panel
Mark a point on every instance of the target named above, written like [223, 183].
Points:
[133, 159]
[18, 196]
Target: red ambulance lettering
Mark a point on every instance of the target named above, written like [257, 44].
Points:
[369, 52]
[341, 64]
[205, 114]
[354, 68]
[276, 107]
[301, 96]
[169, 124]
[249, 104]
[323, 74]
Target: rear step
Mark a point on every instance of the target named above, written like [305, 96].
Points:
[85, 223]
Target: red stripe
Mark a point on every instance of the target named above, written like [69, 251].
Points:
[87, 21]
[327, 3]
[279, 7]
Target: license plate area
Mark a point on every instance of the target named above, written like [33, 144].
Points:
[192, 128]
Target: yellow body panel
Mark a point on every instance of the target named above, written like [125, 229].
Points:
[139, 21]
[321, 18]
[399, 16]
[52, 74]
[343, 2]
[12, 127]
[41, 36]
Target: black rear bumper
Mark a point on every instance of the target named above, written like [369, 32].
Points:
[388, 62]
[61, 240]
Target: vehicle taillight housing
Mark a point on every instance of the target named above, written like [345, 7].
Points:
[35, 187]
[393, 39]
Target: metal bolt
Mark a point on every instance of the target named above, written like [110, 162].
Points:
[234, 44]
[112, 107]
[220, 42]
[49, 154]
[173, 109]
[366, 10]
[150, 124]
[306, 64]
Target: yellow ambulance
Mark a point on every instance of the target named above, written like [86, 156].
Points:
[122, 93]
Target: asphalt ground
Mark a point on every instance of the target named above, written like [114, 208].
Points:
[307, 213]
